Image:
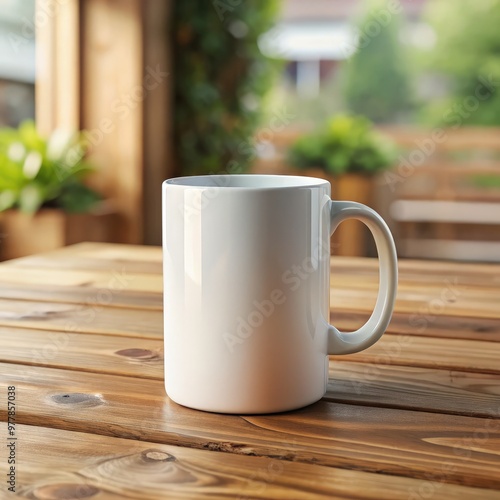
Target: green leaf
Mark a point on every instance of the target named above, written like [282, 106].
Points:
[37, 171]
[344, 144]
[77, 198]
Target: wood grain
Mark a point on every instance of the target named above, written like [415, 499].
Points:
[422, 271]
[417, 412]
[115, 355]
[425, 352]
[428, 325]
[112, 33]
[49, 261]
[428, 352]
[90, 256]
[424, 302]
[381, 384]
[48, 292]
[91, 317]
[114, 278]
[381, 440]
[410, 388]
[410, 270]
[377, 384]
[114, 468]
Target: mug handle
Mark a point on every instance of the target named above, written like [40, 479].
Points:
[346, 343]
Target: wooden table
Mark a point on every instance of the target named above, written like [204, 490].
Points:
[416, 416]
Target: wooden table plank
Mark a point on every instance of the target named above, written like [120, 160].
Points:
[427, 303]
[377, 384]
[84, 263]
[350, 292]
[418, 389]
[423, 404]
[115, 278]
[132, 275]
[115, 355]
[105, 251]
[425, 324]
[427, 352]
[403, 443]
[392, 349]
[91, 318]
[411, 270]
[423, 271]
[96, 306]
[81, 295]
[114, 468]
[438, 297]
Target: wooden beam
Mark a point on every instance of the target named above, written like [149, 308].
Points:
[112, 104]
[57, 87]
[158, 110]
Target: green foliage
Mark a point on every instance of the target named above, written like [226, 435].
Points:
[467, 54]
[486, 181]
[377, 80]
[35, 171]
[220, 79]
[345, 144]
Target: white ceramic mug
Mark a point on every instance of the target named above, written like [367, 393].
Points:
[247, 286]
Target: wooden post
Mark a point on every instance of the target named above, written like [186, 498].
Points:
[158, 110]
[101, 67]
[57, 87]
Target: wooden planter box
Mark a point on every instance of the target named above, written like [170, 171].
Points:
[22, 234]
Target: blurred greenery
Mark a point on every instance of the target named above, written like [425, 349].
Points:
[344, 144]
[377, 80]
[221, 77]
[308, 110]
[467, 53]
[36, 172]
[487, 181]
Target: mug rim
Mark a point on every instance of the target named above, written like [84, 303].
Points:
[263, 181]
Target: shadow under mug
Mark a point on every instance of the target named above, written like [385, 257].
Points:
[246, 263]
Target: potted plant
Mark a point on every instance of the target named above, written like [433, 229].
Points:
[44, 203]
[348, 152]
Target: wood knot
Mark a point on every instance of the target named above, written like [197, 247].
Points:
[65, 491]
[140, 354]
[157, 456]
[78, 398]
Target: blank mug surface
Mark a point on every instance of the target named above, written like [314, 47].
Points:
[246, 291]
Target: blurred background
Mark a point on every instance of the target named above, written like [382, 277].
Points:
[395, 102]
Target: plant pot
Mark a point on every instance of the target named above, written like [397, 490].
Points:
[50, 228]
[351, 237]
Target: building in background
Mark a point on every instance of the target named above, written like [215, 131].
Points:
[17, 61]
[317, 38]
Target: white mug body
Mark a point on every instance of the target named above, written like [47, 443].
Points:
[246, 292]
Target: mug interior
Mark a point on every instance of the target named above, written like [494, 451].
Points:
[247, 181]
